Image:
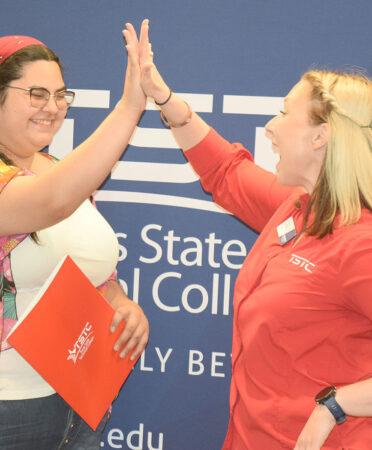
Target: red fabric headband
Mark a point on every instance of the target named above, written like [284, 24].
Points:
[10, 44]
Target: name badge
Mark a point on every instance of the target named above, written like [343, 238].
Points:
[286, 231]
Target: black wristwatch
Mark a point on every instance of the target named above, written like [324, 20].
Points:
[327, 397]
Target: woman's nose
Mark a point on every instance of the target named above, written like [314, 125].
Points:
[269, 127]
[51, 105]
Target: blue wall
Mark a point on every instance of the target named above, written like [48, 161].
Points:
[180, 254]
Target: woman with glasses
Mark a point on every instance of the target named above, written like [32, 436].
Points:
[45, 214]
[302, 332]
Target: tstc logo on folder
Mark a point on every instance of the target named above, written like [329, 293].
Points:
[82, 343]
[65, 335]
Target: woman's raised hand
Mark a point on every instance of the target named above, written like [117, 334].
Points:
[174, 109]
[133, 94]
[152, 83]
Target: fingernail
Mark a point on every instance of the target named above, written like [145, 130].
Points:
[116, 347]
[112, 329]
[123, 354]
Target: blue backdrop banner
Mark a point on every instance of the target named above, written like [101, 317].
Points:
[233, 61]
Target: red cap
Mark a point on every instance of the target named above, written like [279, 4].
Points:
[10, 44]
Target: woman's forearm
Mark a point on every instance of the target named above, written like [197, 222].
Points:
[356, 399]
[82, 171]
[176, 111]
[34, 203]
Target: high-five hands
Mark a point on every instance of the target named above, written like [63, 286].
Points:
[141, 61]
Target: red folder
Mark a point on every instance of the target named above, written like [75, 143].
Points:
[66, 337]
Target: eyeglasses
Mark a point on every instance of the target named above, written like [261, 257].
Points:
[39, 97]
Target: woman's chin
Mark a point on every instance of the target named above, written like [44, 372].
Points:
[283, 179]
[42, 142]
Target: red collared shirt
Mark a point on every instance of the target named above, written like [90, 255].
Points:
[302, 311]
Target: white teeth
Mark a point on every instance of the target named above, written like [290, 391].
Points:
[43, 121]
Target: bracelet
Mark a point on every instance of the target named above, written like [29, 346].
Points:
[166, 101]
[177, 125]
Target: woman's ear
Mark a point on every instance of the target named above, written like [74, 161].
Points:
[321, 136]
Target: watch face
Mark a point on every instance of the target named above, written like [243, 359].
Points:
[325, 393]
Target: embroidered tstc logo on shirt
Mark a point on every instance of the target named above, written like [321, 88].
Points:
[301, 262]
[82, 343]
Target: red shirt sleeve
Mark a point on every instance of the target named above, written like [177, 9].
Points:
[236, 182]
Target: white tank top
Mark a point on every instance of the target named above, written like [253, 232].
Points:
[92, 244]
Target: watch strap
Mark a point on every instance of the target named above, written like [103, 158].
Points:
[335, 409]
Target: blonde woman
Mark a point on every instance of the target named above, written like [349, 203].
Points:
[302, 333]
